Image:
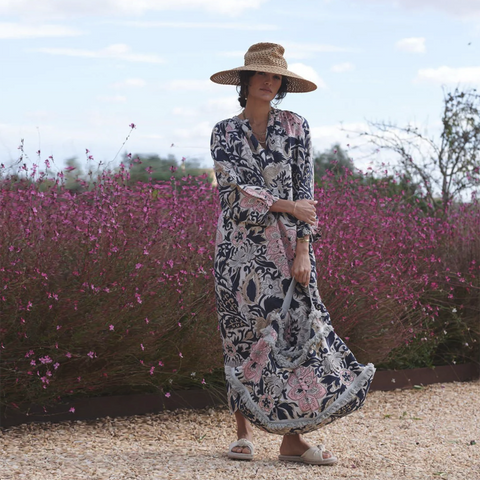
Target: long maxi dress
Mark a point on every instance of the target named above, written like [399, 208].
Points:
[254, 252]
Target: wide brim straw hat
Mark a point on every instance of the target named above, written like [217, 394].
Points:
[265, 57]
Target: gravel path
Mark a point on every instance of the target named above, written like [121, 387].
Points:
[428, 433]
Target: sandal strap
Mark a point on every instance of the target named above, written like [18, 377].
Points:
[242, 443]
[315, 453]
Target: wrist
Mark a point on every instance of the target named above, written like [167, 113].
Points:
[294, 207]
[302, 247]
[305, 239]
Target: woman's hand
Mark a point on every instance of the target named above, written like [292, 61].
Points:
[302, 267]
[305, 211]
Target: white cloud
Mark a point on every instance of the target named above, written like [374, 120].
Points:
[118, 51]
[461, 8]
[412, 45]
[201, 130]
[199, 25]
[188, 85]
[213, 109]
[338, 132]
[456, 7]
[444, 75]
[348, 136]
[112, 99]
[343, 67]
[71, 8]
[236, 54]
[307, 72]
[185, 112]
[18, 30]
[307, 50]
[130, 82]
[222, 107]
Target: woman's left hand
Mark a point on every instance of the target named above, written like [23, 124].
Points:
[302, 267]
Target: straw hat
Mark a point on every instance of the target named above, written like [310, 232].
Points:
[265, 57]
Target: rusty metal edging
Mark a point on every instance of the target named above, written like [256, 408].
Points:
[141, 404]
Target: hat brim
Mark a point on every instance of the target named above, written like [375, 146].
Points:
[296, 83]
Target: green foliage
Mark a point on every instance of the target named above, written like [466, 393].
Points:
[446, 167]
[334, 160]
[145, 168]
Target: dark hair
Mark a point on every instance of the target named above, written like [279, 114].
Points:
[242, 88]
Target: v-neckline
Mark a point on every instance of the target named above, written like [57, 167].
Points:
[246, 123]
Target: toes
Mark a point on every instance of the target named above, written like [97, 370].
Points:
[241, 450]
[326, 454]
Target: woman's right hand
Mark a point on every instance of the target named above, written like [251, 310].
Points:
[305, 211]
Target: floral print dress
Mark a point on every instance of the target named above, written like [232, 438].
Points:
[254, 253]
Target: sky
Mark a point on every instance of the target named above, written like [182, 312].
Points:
[75, 74]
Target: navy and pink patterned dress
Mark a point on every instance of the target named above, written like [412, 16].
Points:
[254, 253]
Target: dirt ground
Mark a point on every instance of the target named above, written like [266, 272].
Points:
[427, 433]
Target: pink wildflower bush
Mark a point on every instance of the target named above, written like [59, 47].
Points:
[391, 275]
[110, 290]
[113, 286]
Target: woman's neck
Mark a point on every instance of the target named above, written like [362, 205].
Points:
[257, 113]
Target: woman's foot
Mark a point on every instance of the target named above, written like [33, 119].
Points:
[294, 446]
[244, 431]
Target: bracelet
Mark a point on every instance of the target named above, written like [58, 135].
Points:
[303, 239]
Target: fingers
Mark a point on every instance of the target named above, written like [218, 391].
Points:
[307, 211]
[302, 277]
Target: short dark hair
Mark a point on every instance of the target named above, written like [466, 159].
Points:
[242, 88]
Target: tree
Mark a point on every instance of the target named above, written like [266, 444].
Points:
[73, 174]
[447, 166]
[335, 159]
[152, 166]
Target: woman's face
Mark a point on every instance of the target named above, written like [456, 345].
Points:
[264, 86]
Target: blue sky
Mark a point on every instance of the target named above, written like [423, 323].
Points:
[76, 73]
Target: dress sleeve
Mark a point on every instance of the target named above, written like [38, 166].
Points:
[303, 178]
[244, 197]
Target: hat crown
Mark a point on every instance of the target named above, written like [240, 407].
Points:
[266, 54]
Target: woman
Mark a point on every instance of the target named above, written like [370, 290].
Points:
[264, 170]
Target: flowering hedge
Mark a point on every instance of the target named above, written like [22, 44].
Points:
[110, 290]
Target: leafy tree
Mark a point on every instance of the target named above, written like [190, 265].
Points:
[446, 166]
[152, 167]
[145, 167]
[73, 174]
[334, 160]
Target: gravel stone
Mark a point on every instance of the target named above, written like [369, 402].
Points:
[426, 433]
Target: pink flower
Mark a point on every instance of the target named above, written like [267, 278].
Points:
[266, 403]
[111, 327]
[72, 410]
[346, 376]
[306, 389]
[168, 395]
